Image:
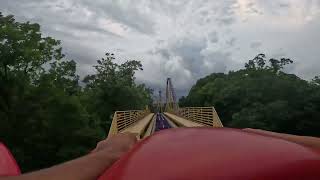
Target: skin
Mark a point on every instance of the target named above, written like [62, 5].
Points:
[88, 167]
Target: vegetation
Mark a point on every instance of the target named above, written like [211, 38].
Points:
[46, 117]
[261, 96]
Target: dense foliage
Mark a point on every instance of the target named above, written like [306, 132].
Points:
[261, 96]
[46, 117]
[113, 88]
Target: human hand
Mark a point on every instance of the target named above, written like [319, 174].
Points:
[117, 145]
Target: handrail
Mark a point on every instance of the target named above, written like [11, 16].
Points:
[203, 115]
[123, 119]
[206, 116]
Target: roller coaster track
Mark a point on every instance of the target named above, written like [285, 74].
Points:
[145, 123]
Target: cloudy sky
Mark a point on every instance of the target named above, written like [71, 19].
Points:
[182, 39]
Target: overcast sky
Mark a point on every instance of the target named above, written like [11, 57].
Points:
[181, 39]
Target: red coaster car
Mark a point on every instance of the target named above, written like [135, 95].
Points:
[207, 153]
[8, 165]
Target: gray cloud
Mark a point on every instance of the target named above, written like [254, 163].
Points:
[183, 59]
[284, 5]
[190, 51]
[225, 20]
[188, 59]
[231, 42]
[255, 45]
[213, 37]
[251, 8]
[127, 13]
[183, 39]
[217, 61]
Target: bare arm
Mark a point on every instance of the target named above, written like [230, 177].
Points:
[304, 140]
[89, 167]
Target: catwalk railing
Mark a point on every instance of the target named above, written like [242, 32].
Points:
[144, 123]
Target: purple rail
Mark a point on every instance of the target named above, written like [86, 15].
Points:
[161, 122]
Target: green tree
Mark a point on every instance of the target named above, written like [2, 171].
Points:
[42, 119]
[23, 54]
[113, 88]
[261, 96]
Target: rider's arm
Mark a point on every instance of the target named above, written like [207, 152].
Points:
[88, 167]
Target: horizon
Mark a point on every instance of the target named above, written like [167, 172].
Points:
[184, 40]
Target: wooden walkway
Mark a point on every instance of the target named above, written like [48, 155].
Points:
[139, 126]
[151, 127]
[182, 122]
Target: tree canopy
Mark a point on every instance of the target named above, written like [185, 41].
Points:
[261, 96]
[46, 117]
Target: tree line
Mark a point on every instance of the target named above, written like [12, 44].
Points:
[261, 96]
[47, 113]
